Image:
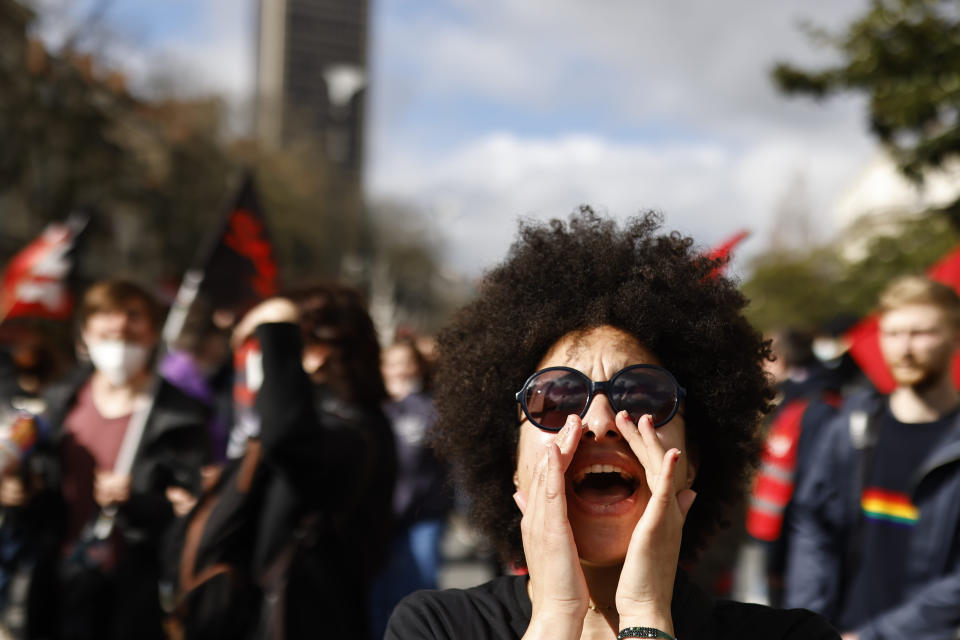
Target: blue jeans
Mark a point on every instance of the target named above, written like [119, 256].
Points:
[413, 565]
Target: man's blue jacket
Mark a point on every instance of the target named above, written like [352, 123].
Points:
[826, 521]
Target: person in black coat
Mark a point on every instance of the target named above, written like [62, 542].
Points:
[303, 520]
[877, 520]
[99, 505]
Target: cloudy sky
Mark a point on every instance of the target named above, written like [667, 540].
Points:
[483, 111]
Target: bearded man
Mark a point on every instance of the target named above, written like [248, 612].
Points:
[875, 532]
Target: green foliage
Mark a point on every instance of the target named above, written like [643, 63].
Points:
[158, 174]
[152, 174]
[793, 289]
[905, 56]
[292, 185]
[808, 288]
[915, 249]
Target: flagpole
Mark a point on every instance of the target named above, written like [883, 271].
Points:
[177, 316]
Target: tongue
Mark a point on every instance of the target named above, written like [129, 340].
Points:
[605, 488]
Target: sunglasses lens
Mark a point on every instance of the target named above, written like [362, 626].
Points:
[551, 396]
[645, 391]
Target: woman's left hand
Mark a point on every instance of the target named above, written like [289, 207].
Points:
[269, 311]
[645, 590]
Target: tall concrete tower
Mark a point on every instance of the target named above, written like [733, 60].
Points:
[311, 76]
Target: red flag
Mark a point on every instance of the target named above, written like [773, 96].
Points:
[864, 337]
[36, 280]
[947, 270]
[722, 252]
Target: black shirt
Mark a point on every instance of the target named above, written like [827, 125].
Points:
[888, 516]
[501, 610]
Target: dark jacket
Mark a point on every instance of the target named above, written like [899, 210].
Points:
[124, 601]
[826, 523]
[422, 491]
[8, 379]
[312, 524]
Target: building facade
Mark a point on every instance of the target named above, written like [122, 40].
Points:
[311, 77]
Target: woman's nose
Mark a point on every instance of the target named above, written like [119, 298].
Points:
[600, 419]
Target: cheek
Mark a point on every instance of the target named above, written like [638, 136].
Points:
[525, 466]
[530, 451]
[889, 345]
[311, 361]
[935, 347]
[673, 436]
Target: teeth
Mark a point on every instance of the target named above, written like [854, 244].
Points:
[602, 468]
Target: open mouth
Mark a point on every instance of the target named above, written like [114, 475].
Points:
[603, 483]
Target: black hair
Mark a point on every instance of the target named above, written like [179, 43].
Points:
[794, 347]
[336, 314]
[563, 277]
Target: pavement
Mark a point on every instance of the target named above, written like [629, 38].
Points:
[467, 561]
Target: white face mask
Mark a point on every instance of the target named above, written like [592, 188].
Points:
[118, 360]
[827, 349]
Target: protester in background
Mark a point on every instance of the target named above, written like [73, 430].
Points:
[9, 385]
[602, 380]
[302, 520]
[832, 349]
[31, 358]
[96, 572]
[18, 434]
[806, 399]
[422, 498]
[426, 345]
[876, 535]
[29, 361]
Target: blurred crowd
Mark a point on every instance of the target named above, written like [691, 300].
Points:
[269, 474]
[263, 476]
[853, 512]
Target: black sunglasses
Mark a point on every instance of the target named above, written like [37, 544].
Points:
[552, 394]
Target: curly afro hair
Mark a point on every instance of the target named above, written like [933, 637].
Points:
[559, 278]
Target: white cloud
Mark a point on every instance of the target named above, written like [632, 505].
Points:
[673, 103]
[478, 191]
[484, 110]
[202, 47]
[701, 63]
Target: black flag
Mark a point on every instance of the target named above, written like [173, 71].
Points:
[237, 267]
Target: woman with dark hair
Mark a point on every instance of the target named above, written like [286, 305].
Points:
[599, 403]
[423, 497]
[297, 528]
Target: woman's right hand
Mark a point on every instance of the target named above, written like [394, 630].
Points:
[558, 589]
